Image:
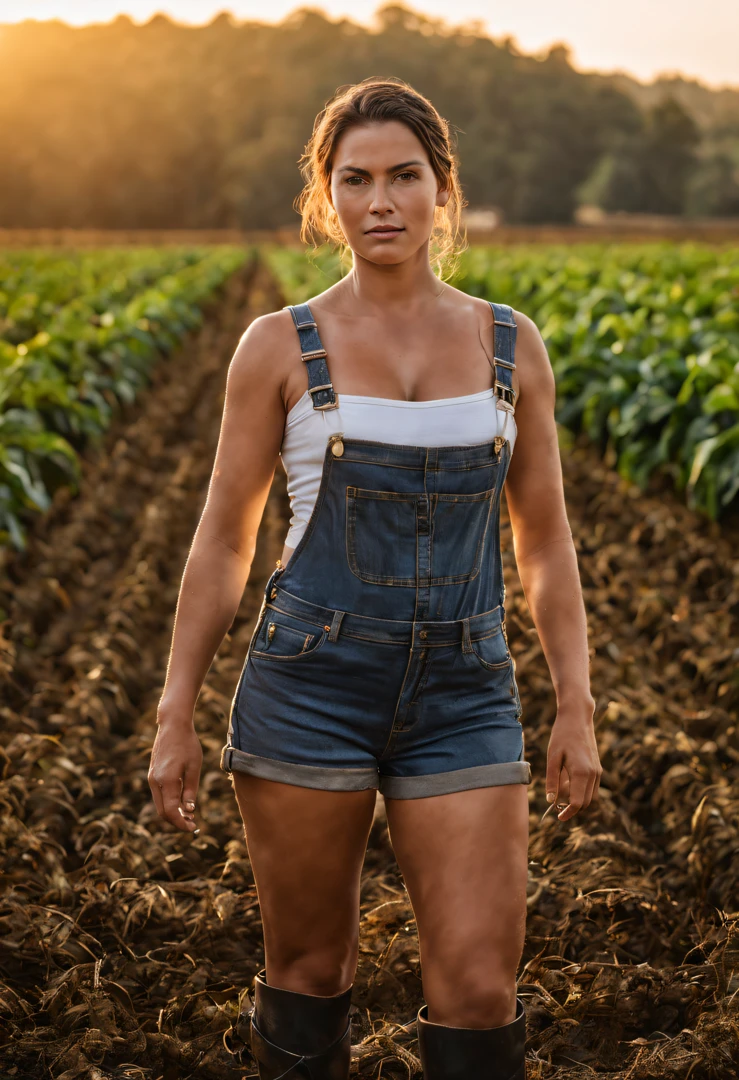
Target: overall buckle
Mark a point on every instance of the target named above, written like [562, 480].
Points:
[506, 392]
[329, 404]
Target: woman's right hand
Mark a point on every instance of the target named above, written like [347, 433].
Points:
[174, 770]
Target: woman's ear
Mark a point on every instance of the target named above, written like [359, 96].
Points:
[442, 196]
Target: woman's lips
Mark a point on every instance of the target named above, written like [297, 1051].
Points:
[384, 233]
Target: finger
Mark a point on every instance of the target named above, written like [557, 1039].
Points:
[559, 797]
[596, 785]
[156, 794]
[190, 789]
[563, 790]
[575, 801]
[554, 767]
[586, 795]
[589, 791]
[171, 790]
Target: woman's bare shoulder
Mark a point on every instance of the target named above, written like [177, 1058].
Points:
[530, 344]
[533, 366]
[265, 353]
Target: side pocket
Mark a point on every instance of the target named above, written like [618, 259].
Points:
[234, 734]
[514, 690]
[492, 652]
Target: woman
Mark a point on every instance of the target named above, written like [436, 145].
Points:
[379, 659]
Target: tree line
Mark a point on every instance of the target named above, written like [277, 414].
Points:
[168, 126]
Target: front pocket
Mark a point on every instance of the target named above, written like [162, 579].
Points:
[381, 536]
[285, 637]
[459, 525]
[491, 652]
[388, 535]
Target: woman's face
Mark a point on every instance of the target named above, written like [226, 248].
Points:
[382, 177]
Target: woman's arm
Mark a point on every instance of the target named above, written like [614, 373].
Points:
[547, 565]
[220, 559]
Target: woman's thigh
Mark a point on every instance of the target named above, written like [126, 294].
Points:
[307, 848]
[464, 858]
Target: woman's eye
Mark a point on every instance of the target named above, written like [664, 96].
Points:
[350, 179]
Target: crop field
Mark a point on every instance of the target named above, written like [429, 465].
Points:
[127, 946]
[78, 335]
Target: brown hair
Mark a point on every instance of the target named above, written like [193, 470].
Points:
[370, 101]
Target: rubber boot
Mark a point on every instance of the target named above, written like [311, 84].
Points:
[459, 1053]
[296, 1035]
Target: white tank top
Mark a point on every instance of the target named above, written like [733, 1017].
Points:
[451, 421]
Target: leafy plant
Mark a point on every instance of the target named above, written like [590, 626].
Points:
[88, 353]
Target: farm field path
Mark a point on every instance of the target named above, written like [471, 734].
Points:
[127, 944]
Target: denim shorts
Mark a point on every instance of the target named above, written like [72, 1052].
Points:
[344, 702]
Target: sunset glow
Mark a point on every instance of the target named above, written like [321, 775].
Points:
[645, 41]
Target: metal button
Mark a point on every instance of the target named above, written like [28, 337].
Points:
[273, 594]
[423, 634]
[271, 631]
[337, 448]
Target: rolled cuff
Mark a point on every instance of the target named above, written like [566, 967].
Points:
[290, 772]
[443, 783]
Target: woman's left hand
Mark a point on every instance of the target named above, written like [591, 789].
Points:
[573, 764]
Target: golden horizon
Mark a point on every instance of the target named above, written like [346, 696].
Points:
[666, 44]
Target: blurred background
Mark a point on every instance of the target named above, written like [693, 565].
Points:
[582, 115]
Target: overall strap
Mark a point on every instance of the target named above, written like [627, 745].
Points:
[504, 350]
[320, 386]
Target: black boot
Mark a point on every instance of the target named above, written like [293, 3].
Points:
[300, 1035]
[458, 1053]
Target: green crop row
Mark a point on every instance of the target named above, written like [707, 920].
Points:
[643, 340]
[644, 343]
[36, 285]
[303, 274]
[62, 386]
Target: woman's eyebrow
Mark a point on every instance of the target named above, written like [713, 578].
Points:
[392, 168]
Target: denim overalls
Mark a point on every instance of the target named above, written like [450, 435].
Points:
[379, 658]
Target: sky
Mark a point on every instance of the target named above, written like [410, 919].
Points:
[642, 37]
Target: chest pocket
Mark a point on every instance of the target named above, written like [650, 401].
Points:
[397, 538]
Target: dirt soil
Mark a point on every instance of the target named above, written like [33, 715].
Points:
[128, 946]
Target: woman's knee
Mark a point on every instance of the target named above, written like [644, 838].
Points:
[478, 996]
[324, 971]
[474, 947]
[470, 981]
